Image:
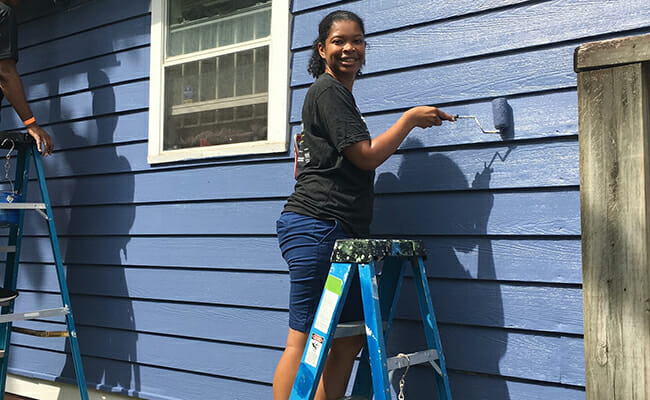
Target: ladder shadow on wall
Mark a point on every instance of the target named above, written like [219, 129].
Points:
[431, 198]
[96, 246]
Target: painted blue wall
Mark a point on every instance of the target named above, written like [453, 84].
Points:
[178, 288]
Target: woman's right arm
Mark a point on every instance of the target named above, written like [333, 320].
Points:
[369, 154]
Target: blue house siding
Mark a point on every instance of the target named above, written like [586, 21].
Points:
[500, 219]
[144, 332]
[178, 287]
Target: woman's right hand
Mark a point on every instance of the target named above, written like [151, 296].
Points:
[427, 116]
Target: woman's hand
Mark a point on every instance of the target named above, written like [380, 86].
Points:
[426, 116]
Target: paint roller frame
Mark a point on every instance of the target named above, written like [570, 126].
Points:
[502, 116]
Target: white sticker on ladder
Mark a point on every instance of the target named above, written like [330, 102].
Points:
[326, 311]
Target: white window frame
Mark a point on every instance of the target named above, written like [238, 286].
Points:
[278, 92]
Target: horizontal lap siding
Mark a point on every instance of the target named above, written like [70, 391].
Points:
[500, 219]
[178, 287]
[157, 382]
[159, 314]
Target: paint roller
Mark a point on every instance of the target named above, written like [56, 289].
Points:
[502, 115]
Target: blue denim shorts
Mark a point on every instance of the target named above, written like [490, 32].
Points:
[306, 244]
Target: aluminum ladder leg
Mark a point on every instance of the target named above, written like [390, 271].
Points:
[27, 149]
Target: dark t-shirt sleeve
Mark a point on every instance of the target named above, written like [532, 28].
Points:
[341, 118]
[8, 33]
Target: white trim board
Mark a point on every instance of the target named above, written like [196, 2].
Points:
[46, 390]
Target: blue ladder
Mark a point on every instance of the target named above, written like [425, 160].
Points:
[26, 150]
[379, 296]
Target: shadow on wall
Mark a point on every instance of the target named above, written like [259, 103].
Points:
[96, 278]
[431, 196]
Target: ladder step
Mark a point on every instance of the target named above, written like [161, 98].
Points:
[7, 249]
[420, 357]
[346, 329]
[22, 206]
[353, 328]
[34, 314]
[34, 332]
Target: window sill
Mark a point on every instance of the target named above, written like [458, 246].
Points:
[228, 150]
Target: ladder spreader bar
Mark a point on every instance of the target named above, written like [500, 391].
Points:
[34, 314]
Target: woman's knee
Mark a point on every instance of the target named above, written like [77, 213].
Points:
[296, 340]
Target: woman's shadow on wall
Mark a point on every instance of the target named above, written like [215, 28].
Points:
[457, 218]
[95, 274]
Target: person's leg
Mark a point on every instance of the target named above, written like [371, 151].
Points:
[338, 367]
[285, 372]
[306, 245]
[299, 238]
[337, 370]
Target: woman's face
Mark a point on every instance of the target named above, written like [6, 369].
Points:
[344, 50]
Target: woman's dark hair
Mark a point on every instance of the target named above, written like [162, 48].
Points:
[316, 63]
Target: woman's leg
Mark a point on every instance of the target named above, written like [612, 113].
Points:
[335, 375]
[285, 372]
[306, 245]
[338, 367]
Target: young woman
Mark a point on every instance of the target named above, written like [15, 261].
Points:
[333, 195]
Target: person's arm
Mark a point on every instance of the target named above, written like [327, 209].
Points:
[12, 87]
[369, 154]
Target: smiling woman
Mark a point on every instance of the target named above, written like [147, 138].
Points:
[344, 51]
[333, 195]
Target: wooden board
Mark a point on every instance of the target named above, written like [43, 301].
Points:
[614, 121]
[613, 52]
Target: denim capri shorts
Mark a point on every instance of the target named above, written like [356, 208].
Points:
[306, 244]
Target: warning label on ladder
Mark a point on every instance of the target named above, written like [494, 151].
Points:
[314, 350]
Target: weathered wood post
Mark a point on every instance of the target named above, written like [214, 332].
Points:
[614, 118]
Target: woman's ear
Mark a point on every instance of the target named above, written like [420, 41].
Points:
[321, 50]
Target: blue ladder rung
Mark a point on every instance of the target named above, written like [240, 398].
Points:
[354, 328]
[420, 357]
[51, 312]
[346, 329]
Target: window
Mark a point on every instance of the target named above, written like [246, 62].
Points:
[211, 91]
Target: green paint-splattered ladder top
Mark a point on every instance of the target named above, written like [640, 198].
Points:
[362, 251]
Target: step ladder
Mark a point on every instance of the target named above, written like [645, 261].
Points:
[27, 150]
[379, 295]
